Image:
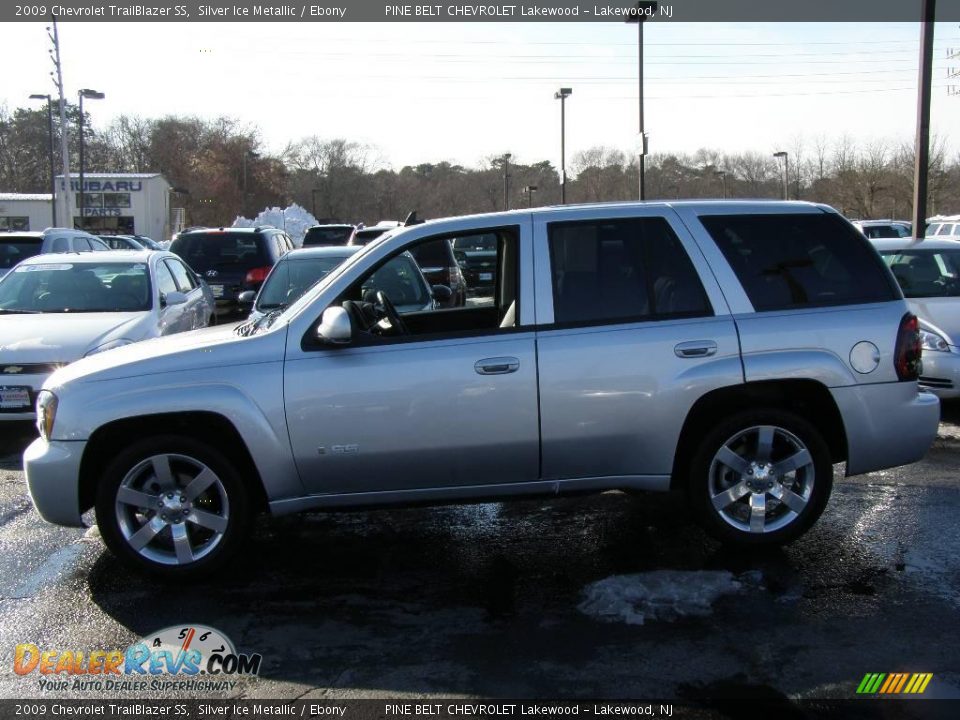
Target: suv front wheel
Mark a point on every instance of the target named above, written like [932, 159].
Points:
[760, 478]
[173, 506]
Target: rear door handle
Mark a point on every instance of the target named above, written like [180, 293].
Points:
[497, 365]
[695, 349]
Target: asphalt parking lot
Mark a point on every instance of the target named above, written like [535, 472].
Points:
[500, 600]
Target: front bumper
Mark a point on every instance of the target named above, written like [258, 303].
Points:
[941, 373]
[887, 424]
[53, 478]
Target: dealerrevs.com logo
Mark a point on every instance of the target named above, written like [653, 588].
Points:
[190, 658]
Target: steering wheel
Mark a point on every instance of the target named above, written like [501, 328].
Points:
[390, 312]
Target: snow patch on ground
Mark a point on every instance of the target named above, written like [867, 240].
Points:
[294, 219]
[657, 595]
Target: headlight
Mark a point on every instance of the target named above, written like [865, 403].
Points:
[932, 341]
[119, 342]
[46, 413]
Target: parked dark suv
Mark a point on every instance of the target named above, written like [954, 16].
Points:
[439, 265]
[232, 260]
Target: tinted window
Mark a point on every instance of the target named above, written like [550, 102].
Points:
[13, 249]
[362, 237]
[327, 236]
[60, 244]
[183, 277]
[792, 261]
[610, 270]
[221, 251]
[881, 231]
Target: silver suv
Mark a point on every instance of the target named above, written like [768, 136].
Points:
[734, 350]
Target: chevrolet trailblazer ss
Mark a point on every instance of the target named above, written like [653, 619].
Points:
[734, 350]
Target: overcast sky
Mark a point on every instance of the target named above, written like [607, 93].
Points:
[462, 92]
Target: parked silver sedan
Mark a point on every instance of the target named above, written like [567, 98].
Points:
[929, 275]
[57, 308]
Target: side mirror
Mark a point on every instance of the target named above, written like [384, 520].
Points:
[247, 297]
[335, 327]
[173, 298]
[441, 293]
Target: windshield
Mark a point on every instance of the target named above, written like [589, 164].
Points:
[291, 278]
[327, 236]
[13, 249]
[76, 287]
[926, 273]
[220, 251]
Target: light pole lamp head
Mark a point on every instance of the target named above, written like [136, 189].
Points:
[780, 154]
[88, 94]
[563, 93]
[40, 96]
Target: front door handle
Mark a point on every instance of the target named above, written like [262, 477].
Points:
[497, 365]
[695, 349]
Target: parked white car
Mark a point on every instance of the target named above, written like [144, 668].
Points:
[58, 308]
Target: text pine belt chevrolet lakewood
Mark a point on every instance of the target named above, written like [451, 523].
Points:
[735, 350]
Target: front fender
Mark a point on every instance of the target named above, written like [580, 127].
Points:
[255, 409]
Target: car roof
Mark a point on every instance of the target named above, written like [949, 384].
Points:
[882, 244]
[135, 256]
[330, 225]
[21, 234]
[344, 251]
[225, 230]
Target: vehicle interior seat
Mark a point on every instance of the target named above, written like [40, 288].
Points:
[130, 291]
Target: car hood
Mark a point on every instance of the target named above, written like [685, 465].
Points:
[197, 349]
[63, 337]
[941, 314]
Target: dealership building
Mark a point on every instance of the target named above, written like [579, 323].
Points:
[113, 204]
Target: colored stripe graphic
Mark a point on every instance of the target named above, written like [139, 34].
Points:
[894, 683]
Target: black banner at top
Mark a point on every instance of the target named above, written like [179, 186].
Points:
[853, 11]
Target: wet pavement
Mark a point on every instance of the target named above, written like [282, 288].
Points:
[509, 600]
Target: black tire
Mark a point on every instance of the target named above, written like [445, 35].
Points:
[238, 515]
[706, 479]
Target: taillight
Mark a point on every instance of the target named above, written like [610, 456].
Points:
[257, 275]
[453, 273]
[906, 355]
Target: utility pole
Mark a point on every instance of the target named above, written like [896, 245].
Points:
[644, 10]
[506, 180]
[51, 155]
[64, 127]
[922, 150]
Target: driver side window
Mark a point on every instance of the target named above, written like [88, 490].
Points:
[439, 286]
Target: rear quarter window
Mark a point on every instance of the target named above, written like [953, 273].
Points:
[801, 260]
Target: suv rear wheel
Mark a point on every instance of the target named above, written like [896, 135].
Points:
[173, 506]
[760, 478]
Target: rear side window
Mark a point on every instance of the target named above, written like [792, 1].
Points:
[184, 279]
[802, 260]
[620, 270]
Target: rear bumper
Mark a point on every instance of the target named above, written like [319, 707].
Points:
[53, 478]
[887, 425]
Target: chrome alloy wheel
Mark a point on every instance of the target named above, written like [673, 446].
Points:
[761, 479]
[172, 509]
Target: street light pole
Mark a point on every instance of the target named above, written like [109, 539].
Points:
[922, 147]
[506, 180]
[722, 174]
[643, 11]
[786, 172]
[90, 95]
[562, 94]
[53, 173]
[529, 190]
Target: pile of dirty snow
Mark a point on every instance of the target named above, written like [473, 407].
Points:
[293, 219]
[656, 595]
